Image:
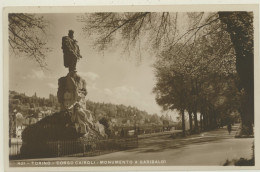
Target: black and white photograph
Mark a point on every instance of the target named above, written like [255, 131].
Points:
[130, 87]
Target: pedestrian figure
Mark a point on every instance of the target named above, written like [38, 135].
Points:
[229, 128]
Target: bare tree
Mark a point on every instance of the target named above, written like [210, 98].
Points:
[27, 36]
[158, 29]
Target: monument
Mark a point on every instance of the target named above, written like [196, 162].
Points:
[73, 123]
[72, 90]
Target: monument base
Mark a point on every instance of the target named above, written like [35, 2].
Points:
[74, 124]
[46, 137]
[71, 95]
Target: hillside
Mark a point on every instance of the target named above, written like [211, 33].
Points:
[110, 115]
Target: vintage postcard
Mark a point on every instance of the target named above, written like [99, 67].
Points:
[131, 88]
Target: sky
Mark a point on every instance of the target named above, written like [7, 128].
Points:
[111, 76]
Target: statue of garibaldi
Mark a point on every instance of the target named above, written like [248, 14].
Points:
[71, 52]
[72, 91]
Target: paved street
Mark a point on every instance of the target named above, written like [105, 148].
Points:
[208, 148]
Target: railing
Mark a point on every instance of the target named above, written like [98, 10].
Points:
[90, 148]
[14, 148]
[76, 148]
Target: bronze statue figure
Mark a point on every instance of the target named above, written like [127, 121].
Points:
[71, 52]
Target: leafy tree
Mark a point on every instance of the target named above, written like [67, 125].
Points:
[161, 30]
[171, 91]
[203, 72]
[155, 119]
[124, 121]
[105, 122]
[239, 25]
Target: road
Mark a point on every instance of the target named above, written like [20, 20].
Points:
[208, 148]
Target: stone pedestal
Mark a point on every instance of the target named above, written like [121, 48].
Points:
[71, 90]
[71, 95]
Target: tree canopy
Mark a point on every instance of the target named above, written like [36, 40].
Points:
[206, 48]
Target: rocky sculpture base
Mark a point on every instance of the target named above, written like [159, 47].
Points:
[71, 95]
[74, 123]
[41, 139]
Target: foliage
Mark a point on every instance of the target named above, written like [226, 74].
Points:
[123, 116]
[239, 25]
[113, 117]
[30, 105]
[104, 121]
[204, 54]
[199, 78]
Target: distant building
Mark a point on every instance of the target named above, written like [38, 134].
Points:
[19, 125]
[53, 98]
[40, 116]
[131, 132]
[19, 130]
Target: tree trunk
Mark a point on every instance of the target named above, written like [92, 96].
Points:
[196, 121]
[240, 29]
[190, 120]
[205, 121]
[247, 126]
[210, 119]
[214, 119]
[183, 123]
